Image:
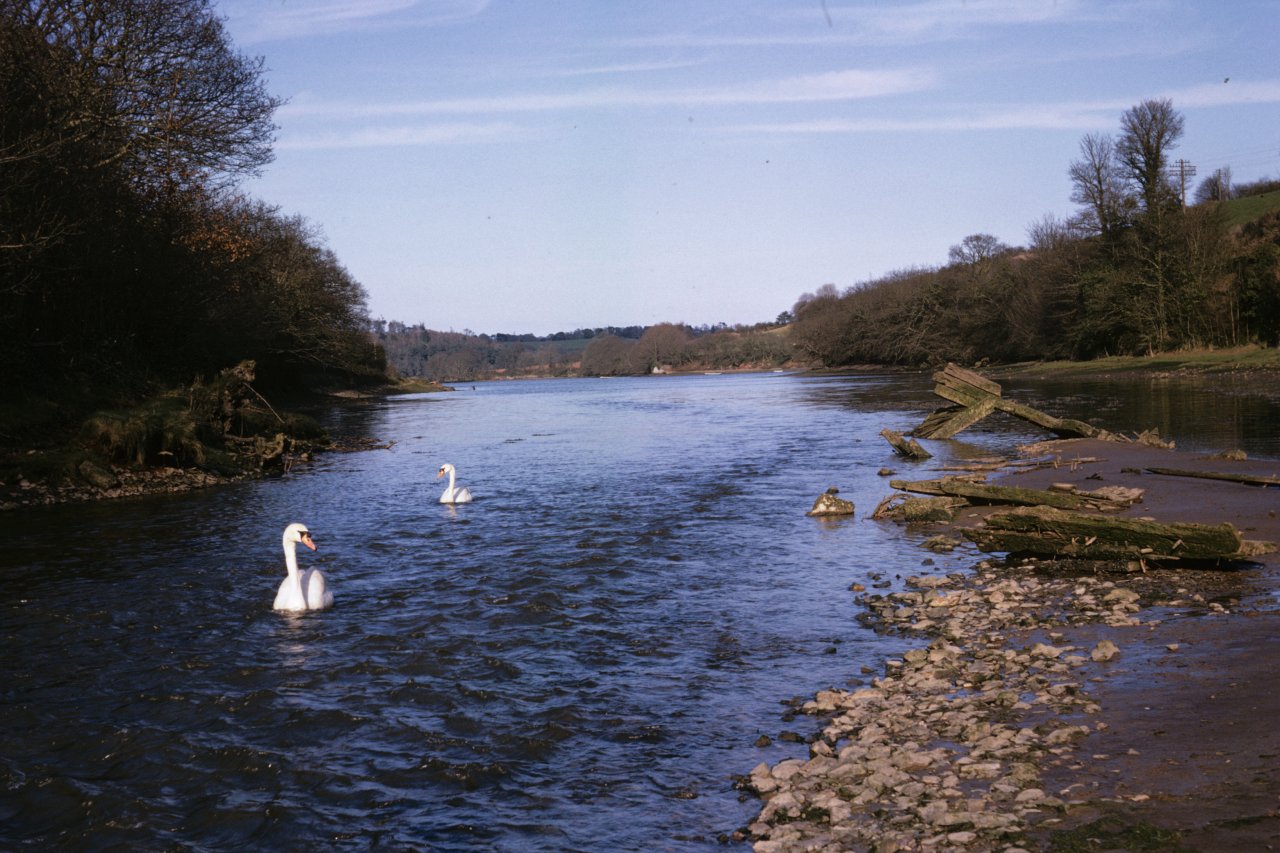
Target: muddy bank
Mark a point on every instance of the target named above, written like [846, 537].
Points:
[1047, 703]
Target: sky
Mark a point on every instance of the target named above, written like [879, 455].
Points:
[533, 167]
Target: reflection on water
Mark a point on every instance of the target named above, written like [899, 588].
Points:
[582, 659]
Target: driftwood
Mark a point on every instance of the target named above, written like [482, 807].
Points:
[906, 447]
[975, 397]
[979, 492]
[1045, 530]
[1247, 479]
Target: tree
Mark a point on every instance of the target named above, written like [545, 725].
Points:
[121, 122]
[1216, 187]
[976, 250]
[1098, 184]
[154, 87]
[606, 355]
[1149, 131]
[660, 345]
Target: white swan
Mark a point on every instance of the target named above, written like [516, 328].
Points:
[301, 590]
[453, 494]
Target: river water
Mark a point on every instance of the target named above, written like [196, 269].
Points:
[581, 659]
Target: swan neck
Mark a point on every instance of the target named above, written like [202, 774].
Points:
[291, 557]
[451, 479]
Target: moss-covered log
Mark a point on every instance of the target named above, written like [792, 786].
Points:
[1048, 531]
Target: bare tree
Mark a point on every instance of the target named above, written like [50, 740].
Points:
[151, 87]
[976, 249]
[1098, 184]
[1216, 187]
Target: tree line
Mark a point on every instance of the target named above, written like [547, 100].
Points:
[608, 351]
[1135, 271]
[128, 256]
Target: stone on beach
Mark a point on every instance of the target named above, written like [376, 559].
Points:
[828, 504]
[948, 745]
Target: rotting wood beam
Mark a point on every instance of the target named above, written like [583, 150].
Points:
[1246, 479]
[906, 447]
[972, 490]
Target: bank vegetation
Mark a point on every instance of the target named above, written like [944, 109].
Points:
[130, 261]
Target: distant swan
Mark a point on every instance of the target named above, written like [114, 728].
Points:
[301, 590]
[453, 494]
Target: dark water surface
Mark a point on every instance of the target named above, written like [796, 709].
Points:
[582, 659]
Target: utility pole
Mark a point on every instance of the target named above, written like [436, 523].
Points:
[1185, 170]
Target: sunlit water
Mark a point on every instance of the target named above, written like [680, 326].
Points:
[582, 659]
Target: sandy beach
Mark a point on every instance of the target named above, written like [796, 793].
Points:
[1051, 705]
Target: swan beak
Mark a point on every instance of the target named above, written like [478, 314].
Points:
[306, 540]
[439, 473]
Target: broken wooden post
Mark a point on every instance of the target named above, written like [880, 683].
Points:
[907, 447]
[1048, 531]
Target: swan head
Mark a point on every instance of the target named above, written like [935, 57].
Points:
[295, 533]
[446, 468]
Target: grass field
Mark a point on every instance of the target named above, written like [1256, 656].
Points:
[1237, 359]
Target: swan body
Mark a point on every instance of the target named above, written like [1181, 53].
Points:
[453, 494]
[301, 590]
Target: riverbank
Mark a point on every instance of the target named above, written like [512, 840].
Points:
[179, 441]
[1056, 705]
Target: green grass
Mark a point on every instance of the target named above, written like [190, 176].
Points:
[1238, 211]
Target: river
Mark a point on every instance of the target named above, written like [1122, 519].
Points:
[581, 659]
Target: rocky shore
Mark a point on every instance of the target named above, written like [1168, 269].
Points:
[1055, 705]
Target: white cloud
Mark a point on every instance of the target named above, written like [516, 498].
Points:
[1228, 93]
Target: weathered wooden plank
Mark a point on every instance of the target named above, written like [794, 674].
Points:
[955, 375]
[1060, 426]
[1045, 530]
[961, 396]
[1247, 479]
[933, 419]
[987, 493]
[959, 419]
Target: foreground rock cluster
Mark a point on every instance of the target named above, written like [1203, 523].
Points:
[945, 751]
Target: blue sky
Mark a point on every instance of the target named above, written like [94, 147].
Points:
[537, 167]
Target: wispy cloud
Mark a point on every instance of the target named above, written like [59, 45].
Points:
[386, 137]
[256, 21]
[832, 86]
[625, 68]
[889, 24]
[1081, 115]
